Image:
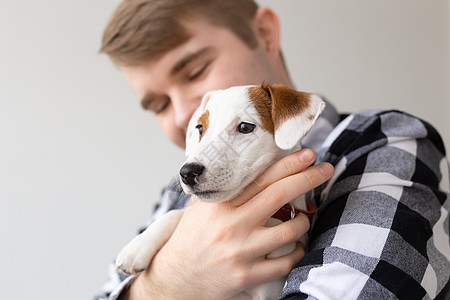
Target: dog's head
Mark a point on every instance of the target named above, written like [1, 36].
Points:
[237, 133]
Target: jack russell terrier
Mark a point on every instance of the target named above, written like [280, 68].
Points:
[232, 138]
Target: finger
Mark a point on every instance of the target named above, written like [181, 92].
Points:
[275, 268]
[271, 199]
[287, 166]
[269, 239]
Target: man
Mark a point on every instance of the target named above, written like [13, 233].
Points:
[381, 230]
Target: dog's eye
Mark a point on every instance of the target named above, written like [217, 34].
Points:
[245, 127]
[200, 128]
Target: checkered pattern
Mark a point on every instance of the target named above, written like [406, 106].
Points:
[382, 227]
[382, 224]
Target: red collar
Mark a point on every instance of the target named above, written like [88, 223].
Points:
[287, 212]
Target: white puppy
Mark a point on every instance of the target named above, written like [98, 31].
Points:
[233, 137]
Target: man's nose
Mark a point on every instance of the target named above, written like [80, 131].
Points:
[184, 107]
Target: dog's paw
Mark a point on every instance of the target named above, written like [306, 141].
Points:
[134, 257]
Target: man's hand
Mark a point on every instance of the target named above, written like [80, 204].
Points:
[219, 249]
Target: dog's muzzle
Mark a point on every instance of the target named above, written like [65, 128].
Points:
[190, 173]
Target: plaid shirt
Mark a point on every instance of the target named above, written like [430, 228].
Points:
[382, 225]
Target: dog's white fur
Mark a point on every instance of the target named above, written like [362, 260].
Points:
[231, 161]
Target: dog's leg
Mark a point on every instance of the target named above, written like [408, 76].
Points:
[267, 291]
[136, 256]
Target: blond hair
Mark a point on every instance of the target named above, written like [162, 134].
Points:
[143, 30]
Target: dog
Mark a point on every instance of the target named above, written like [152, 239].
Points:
[232, 137]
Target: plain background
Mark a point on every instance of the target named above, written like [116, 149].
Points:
[81, 164]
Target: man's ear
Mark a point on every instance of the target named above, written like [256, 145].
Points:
[293, 114]
[267, 30]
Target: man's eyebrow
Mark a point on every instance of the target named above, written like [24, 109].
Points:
[187, 59]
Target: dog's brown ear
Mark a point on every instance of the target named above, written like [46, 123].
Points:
[293, 114]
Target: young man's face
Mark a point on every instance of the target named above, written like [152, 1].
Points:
[214, 58]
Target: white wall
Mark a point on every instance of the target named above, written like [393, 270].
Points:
[372, 54]
[81, 164]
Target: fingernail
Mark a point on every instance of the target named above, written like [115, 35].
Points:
[326, 169]
[306, 155]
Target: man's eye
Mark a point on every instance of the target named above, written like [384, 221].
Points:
[156, 105]
[162, 107]
[200, 128]
[198, 73]
[246, 127]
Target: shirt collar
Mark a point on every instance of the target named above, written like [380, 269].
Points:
[322, 128]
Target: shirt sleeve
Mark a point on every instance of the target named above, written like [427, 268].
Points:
[172, 197]
[116, 284]
[382, 224]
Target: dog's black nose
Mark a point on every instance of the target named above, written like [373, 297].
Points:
[190, 173]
